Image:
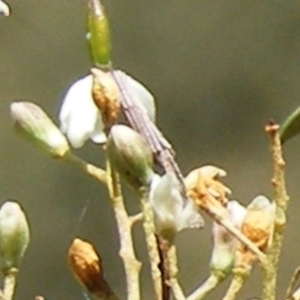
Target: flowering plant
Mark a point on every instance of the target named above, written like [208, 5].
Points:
[118, 114]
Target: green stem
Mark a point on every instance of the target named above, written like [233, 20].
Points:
[292, 284]
[95, 172]
[281, 200]
[148, 224]
[210, 284]
[236, 285]
[10, 283]
[131, 265]
[173, 270]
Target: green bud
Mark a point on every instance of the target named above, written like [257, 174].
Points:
[14, 235]
[130, 155]
[98, 34]
[33, 122]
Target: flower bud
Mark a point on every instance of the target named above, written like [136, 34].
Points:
[32, 121]
[4, 9]
[106, 96]
[86, 266]
[14, 235]
[130, 155]
[98, 34]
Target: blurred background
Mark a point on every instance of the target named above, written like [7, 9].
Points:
[219, 71]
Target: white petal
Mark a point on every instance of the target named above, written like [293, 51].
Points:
[259, 202]
[236, 212]
[4, 9]
[138, 93]
[189, 217]
[166, 201]
[79, 116]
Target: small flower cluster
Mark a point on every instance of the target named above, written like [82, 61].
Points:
[255, 221]
[94, 109]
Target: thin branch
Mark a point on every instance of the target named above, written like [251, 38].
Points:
[131, 265]
[173, 270]
[209, 284]
[281, 200]
[10, 283]
[148, 224]
[95, 172]
[136, 218]
[292, 284]
[237, 282]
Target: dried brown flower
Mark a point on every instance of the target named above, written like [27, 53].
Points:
[106, 96]
[258, 227]
[203, 186]
[86, 266]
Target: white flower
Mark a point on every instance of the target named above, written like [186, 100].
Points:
[79, 116]
[225, 243]
[4, 9]
[171, 214]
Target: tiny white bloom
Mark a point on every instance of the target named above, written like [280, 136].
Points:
[224, 242]
[171, 214]
[79, 117]
[4, 9]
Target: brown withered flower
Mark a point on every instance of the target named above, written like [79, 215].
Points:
[105, 94]
[203, 186]
[258, 227]
[86, 266]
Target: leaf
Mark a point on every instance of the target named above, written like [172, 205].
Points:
[291, 126]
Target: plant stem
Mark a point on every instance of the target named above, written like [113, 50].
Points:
[292, 284]
[131, 265]
[237, 282]
[95, 172]
[148, 224]
[173, 272]
[281, 200]
[210, 284]
[10, 283]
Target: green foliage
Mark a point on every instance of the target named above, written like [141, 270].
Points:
[291, 126]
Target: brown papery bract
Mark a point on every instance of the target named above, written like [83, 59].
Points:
[106, 96]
